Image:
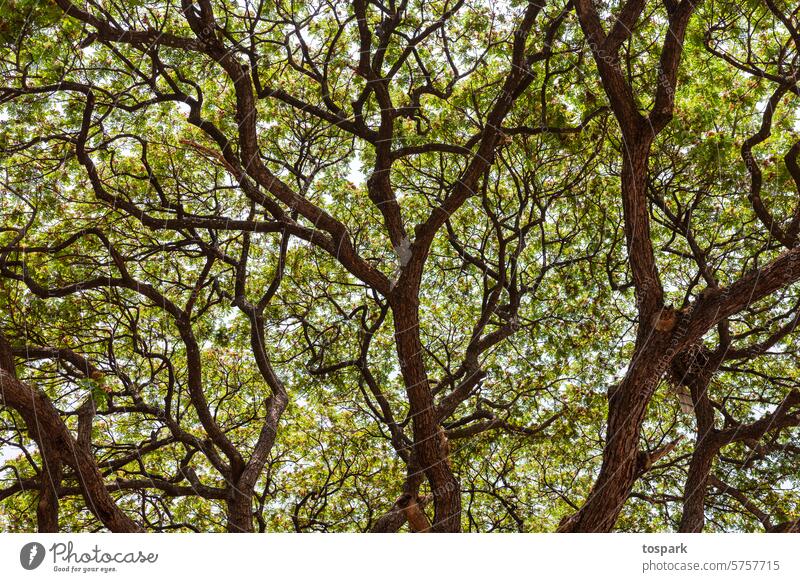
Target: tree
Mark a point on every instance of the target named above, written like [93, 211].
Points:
[330, 266]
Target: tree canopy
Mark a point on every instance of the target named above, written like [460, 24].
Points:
[384, 265]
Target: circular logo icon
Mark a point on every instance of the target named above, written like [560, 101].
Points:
[31, 555]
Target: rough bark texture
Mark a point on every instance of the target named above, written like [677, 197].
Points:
[49, 431]
[428, 445]
[695, 372]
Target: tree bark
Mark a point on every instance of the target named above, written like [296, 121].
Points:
[706, 444]
[694, 500]
[240, 511]
[628, 403]
[50, 480]
[429, 440]
[50, 433]
[626, 411]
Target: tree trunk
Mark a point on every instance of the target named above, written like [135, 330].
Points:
[694, 492]
[706, 445]
[626, 410]
[628, 403]
[50, 479]
[429, 440]
[240, 511]
[50, 432]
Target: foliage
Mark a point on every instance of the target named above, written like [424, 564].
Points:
[225, 226]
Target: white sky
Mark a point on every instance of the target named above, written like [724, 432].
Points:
[7, 452]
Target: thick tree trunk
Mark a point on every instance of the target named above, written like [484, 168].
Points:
[628, 402]
[429, 440]
[50, 479]
[240, 511]
[694, 492]
[50, 432]
[50, 474]
[618, 472]
[706, 444]
[240, 501]
[636, 214]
